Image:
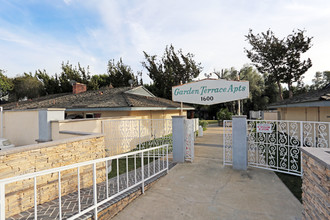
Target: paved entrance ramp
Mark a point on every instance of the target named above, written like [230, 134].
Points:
[205, 189]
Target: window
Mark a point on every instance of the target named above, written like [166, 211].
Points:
[93, 115]
[89, 115]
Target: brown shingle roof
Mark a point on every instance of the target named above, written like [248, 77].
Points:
[103, 98]
[312, 96]
[142, 101]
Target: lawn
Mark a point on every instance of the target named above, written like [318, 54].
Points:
[293, 183]
[211, 121]
[122, 165]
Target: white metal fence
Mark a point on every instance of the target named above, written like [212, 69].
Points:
[125, 135]
[189, 125]
[278, 149]
[153, 161]
[227, 142]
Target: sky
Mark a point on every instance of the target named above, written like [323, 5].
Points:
[41, 34]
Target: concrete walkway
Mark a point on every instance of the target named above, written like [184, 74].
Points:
[205, 189]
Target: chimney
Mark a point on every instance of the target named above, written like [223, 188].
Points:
[78, 88]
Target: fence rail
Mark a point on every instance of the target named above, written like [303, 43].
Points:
[153, 161]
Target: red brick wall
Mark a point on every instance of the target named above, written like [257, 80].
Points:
[79, 88]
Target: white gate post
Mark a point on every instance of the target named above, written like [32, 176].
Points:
[240, 150]
[178, 138]
[189, 140]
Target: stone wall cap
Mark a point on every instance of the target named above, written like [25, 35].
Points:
[321, 155]
[47, 144]
[239, 116]
[80, 133]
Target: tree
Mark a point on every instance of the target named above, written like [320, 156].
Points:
[6, 84]
[98, 81]
[119, 73]
[257, 99]
[320, 80]
[84, 74]
[280, 58]
[51, 84]
[271, 90]
[26, 86]
[173, 68]
[326, 77]
[72, 74]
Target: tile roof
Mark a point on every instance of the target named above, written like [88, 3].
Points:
[312, 96]
[103, 98]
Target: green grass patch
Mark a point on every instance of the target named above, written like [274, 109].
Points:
[293, 183]
[212, 121]
[122, 165]
[167, 139]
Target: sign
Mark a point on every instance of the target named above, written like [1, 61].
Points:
[210, 91]
[264, 128]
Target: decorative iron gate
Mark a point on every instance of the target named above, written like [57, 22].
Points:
[277, 147]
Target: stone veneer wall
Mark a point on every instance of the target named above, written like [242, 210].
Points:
[316, 183]
[33, 158]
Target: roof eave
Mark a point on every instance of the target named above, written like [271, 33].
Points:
[127, 109]
[302, 104]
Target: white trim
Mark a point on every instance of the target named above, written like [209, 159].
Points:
[302, 104]
[127, 109]
[132, 91]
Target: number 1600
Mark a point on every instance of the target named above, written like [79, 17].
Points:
[207, 98]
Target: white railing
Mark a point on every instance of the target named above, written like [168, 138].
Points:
[278, 149]
[157, 162]
[189, 126]
[196, 124]
[227, 142]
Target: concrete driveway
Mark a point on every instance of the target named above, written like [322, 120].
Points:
[205, 189]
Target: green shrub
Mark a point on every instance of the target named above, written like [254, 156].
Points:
[203, 123]
[224, 114]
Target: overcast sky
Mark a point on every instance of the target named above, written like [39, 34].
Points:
[40, 34]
